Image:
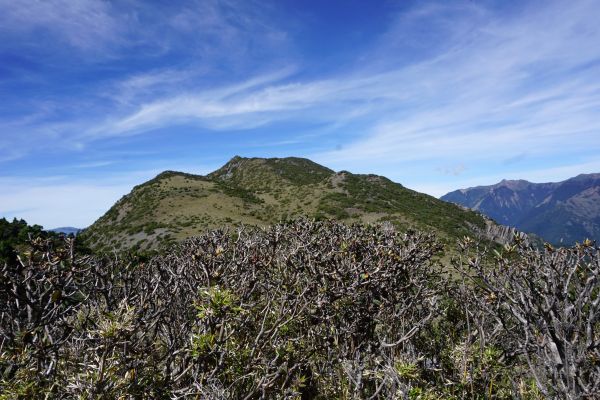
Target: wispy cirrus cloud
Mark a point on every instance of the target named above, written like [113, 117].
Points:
[261, 100]
[505, 88]
[450, 94]
[82, 24]
[202, 27]
[200, 105]
[506, 80]
[102, 44]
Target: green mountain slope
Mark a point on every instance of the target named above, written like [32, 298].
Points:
[258, 191]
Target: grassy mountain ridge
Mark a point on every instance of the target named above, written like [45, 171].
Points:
[259, 192]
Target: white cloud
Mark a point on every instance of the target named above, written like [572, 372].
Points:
[84, 24]
[203, 29]
[206, 105]
[498, 87]
[507, 86]
[487, 88]
[454, 170]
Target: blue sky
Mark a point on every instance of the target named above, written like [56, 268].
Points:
[97, 96]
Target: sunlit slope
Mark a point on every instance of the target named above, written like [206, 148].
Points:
[258, 191]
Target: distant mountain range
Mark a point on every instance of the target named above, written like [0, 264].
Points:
[67, 230]
[560, 212]
[263, 191]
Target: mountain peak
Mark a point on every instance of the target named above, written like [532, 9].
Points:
[256, 172]
[514, 184]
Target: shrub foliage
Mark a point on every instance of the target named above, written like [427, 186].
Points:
[300, 310]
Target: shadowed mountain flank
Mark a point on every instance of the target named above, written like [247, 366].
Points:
[560, 212]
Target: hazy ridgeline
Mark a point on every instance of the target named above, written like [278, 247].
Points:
[302, 310]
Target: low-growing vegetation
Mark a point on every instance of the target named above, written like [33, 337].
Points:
[301, 310]
[264, 191]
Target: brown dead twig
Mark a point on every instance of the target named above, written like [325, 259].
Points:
[293, 310]
[546, 305]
